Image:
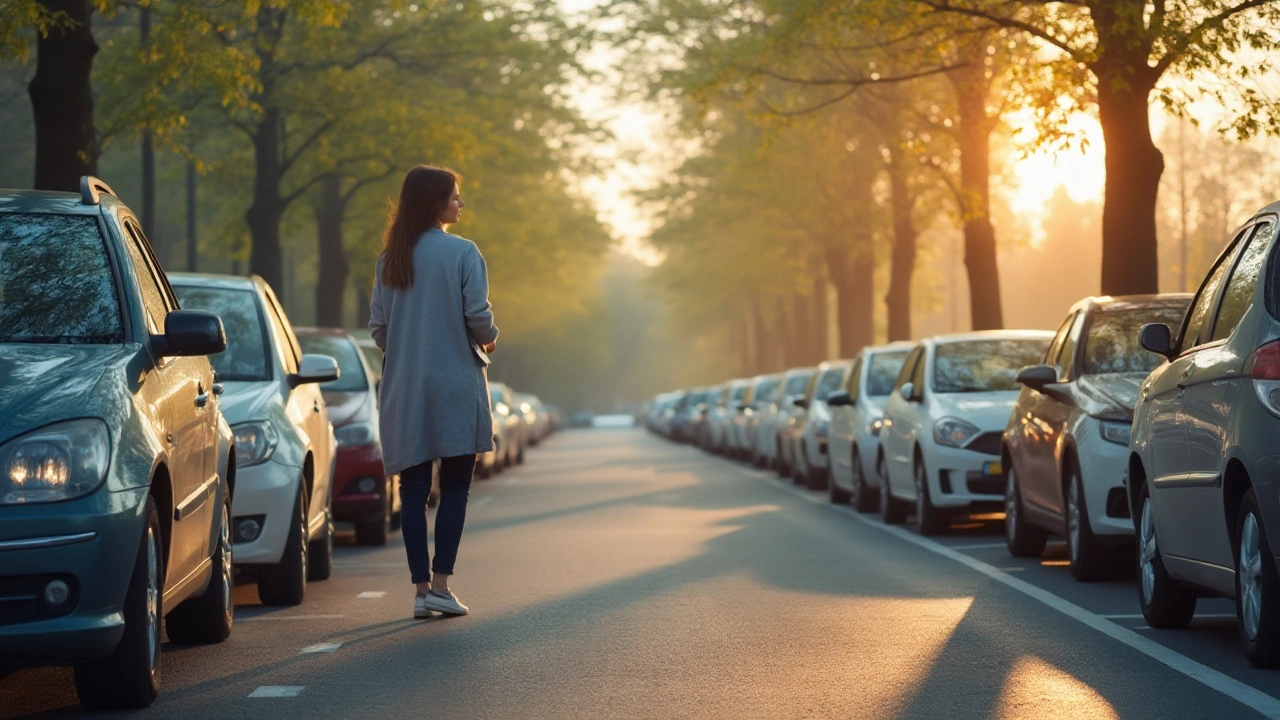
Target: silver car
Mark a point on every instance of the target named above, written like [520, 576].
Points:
[776, 413]
[809, 434]
[1203, 454]
[857, 414]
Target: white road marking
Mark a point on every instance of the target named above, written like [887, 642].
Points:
[979, 546]
[1245, 694]
[480, 502]
[1198, 616]
[320, 648]
[277, 691]
[371, 594]
[264, 618]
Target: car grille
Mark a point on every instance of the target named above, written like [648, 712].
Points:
[21, 598]
[986, 443]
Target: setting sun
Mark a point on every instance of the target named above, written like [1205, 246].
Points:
[1080, 168]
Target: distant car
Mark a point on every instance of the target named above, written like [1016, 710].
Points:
[944, 422]
[810, 434]
[556, 417]
[856, 418]
[581, 419]
[754, 407]
[511, 435]
[724, 408]
[362, 493]
[1067, 444]
[536, 417]
[115, 501]
[1203, 451]
[282, 519]
[782, 413]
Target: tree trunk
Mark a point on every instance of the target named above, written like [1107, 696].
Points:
[801, 327]
[266, 255]
[764, 363]
[840, 270]
[1130, 265]
[330, 209]
[818, 348]
[903, 258]
[62, 100]
[974, 139]
[363, 291]
[862, 300]
[193, 248]
[148, 147]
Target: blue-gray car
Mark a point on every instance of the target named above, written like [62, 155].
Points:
[116, 466]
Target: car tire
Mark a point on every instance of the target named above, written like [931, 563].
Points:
[1090, 559]
[930, 519]
[129, 677]
[1257, 588]
[779, 465]
[375, 532]
[836, 494]
[863, 498]
[817, 478]
[1023, 539]
[285, 583]
[799, 467]
[892, 510]
[520, 455]
[320, 560]
[1165, 603]
[207, 619]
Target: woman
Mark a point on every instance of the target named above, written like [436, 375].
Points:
[430, 315]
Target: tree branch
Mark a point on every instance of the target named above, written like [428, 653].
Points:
[1210, 23]
[945, 6]
[290, 158]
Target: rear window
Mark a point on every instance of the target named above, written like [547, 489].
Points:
[983, 365]
[883, 371]
[1112, 344]
[245, 359]
[56, 281]
[340, 348]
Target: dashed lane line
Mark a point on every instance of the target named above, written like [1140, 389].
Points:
[371, 594]
[275, 618]
[320, 648]
[1245, 694]
[278, 691]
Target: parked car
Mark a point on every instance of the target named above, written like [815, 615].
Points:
[119, 467]
[857, 415]
[725, 407]
[944, 422]
[491, 463]
[1067, 444]
[756, 405]
[582, 419]
[809, 434]
[282, 519]
[782, 415]
[535, 418]
[1202, 463]
[510, 436]
[362, 493]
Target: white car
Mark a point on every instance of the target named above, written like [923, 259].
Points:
[511, 436]
[944, 422]
[775, 414]
[747, 421]
[722, 413]
[809, 434]
[856, 417]
[282, 516]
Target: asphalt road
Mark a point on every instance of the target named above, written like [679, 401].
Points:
[616, 575]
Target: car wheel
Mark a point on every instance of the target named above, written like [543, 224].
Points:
[285, 583]
[1257, 588]
[1090, 559]
[320, 560]
[130, 676]
[838, 495]
[1022, 538]
[863, 497]
[930, 519]
[207, 619]
[520, 455]
[816, 478]
[1165, 603]
[799, 467]
[779, 464]
[893, 510]
[376, 532]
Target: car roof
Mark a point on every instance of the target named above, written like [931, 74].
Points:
[989, 335]
[317, 331]
[800, 371]
[225, 282]
[896, 346]
[1119, 302]
[51, 202]
[829, 364]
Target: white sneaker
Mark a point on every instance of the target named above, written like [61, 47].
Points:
[442, 603]
[420, 609]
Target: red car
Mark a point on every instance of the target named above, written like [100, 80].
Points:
[362, 493]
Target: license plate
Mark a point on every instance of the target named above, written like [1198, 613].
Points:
[992, 468]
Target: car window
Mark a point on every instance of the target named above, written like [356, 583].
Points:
[1066, 359]
[983, 365]
[908, 368]
[883, 370]
[829, 382]
[738, 393]
[1051, 357]
[797, 384]
[766, 391]
[1111, 344]
[290, 354]
[1238, 295]
[1203, 302]
[854, 386]
[56, 281]
[917, 375]
[153, 296]
[245, 358]
[351, 371]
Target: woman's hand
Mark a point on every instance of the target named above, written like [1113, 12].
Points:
[490, 347]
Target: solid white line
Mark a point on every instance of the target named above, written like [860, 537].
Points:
[979, 546]
[265, 618]
[1242, 693]
[320, 648]
[1198, 616]
[371, 594]
[277, 691]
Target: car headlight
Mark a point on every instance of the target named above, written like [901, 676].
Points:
[255, 441]
[356, 434]
[1116, 432]
[58, 462]
[954, 432]
[875, 427]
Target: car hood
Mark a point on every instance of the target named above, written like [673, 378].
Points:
[348, 407]
[243, 401]
[1110, 394]
[44, 383]
[987, 410]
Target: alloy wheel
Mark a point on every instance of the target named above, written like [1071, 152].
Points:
[1250, 576]
[1147, 551]
[305, 528]
[920, 509]
[227, 567]
[153, 604]
[1010, 504]
[1073, 517]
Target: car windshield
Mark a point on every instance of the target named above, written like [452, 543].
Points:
[374, 356]
[766, 390]
[829, 382]
[246, 356]
[983, 365]
[1112, 345]
[738, 393]
[340, 348]
[797, 383]
[56, 283]
[883, 371]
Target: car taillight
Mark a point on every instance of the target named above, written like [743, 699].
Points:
[1266, 362]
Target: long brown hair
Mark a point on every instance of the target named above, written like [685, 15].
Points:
[423, 196]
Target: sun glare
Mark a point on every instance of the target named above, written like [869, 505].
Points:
[1080, 169]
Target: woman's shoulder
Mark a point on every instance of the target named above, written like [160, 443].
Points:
[459, 243]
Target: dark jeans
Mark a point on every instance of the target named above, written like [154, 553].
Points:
[415, 487]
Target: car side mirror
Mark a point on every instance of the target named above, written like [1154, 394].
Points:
[800, 403]
[1157, 338]
[907, 391]
[840, 399]
[192, 333]
[1037, 377]
[315, 369]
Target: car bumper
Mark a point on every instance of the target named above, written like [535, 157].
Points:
[97, 565]
[1102, 468]
[270, 490]
[959, 478]
[353, 465]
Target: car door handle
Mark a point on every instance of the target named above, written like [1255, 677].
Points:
[217, 389]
